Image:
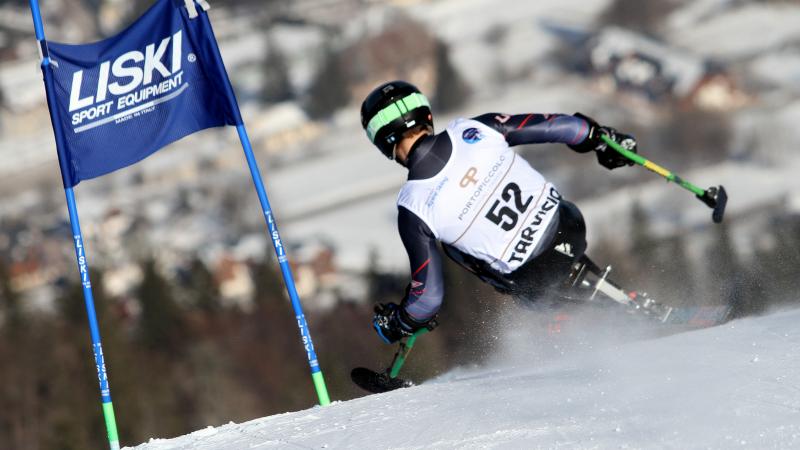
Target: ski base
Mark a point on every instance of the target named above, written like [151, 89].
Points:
[699, 316]
[376, 382]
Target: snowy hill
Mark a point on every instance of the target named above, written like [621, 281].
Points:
[595, 385]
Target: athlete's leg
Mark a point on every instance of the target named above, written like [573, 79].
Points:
[546, 272]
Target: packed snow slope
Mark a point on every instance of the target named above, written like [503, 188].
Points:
[597, 384]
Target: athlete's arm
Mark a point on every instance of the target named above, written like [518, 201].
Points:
[425, 291]
[537, 128]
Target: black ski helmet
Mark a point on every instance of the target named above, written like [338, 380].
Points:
[391, 109]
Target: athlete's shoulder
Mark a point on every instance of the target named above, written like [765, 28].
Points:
[472, 130]
[456, 123]
[499, 122]
[488, 119]
[493, 120]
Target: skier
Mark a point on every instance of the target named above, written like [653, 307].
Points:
[493, 213]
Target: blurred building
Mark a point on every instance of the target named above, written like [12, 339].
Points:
[659, 72]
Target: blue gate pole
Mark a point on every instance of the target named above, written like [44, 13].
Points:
[316, 373]
[77, 237]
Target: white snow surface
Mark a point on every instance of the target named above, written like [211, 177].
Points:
[610, 385]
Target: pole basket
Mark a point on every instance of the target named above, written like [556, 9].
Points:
[715, 198]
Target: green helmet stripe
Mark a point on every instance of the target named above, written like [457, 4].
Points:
[390, 113]
[401, 106]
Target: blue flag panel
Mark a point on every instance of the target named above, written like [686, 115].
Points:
[119, 100]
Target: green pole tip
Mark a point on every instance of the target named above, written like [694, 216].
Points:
[111, 425]
[322, 390]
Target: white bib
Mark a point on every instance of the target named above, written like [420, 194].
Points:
[487, 201]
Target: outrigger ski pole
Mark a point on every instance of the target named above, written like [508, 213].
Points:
[714, 197]
[375, 382]
[403, 351]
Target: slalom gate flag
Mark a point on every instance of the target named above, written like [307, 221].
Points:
[117, 101]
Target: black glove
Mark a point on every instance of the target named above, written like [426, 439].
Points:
[392, 323]
[388, 324]
[606, 156]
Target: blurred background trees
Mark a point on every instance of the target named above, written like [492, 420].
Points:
[176, 367]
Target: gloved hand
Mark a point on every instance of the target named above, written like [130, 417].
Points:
[606, 156]
[610, 158]
[388, 323]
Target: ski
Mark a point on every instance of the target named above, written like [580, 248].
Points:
[700, 316]
[689, 316]
[599, 288]
[375, 382]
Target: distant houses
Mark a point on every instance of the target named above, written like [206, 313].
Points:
[637, 64]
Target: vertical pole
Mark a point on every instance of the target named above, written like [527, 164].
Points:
[97, 346]
[77, 237]
[316, 372]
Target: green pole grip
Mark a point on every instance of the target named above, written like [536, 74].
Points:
[653, 167]
[322, 390]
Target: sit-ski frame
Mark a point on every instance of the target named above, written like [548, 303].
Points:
[601, 284]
